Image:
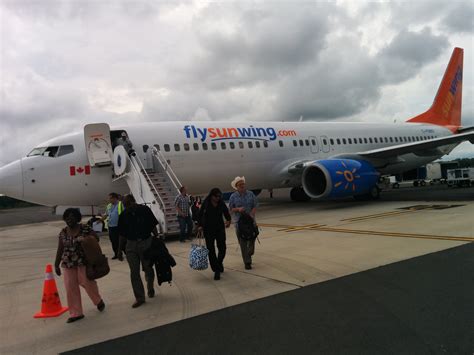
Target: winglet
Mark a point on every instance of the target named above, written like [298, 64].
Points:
[446, 107]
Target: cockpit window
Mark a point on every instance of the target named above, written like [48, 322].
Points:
[36, 151]
[52, 152]
[65, 149]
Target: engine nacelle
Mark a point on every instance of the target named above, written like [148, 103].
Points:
[332, 178]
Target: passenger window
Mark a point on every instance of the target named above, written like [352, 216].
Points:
[176, 147]
[280, 143]
[325, 142]
[257, 144]
[370, 140]
[213, 146]
[265, 144]
[338, 141]
[295, 143]
[331, 141]
[232, 145]
[343, 141]
[167, 147]
[355, 140]
[360, 140]
[65, 149]
[250, 145]
[306, 141]
[349, 140]
[391, 140]
[196, 146]
[223, 146]
[313, 141]
[204, 146]
[376, 141]
[186, 146]
[301, 143]
[396, 139]
[365, 140]
[157, 146]
[241, 145]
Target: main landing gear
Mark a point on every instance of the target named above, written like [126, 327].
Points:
[373, 194]
[297, 194]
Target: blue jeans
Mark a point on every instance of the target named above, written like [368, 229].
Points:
[183, 223]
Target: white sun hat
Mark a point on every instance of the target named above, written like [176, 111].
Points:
[236, 181]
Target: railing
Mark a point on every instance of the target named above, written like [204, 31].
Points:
[150, 182]
[167, 168]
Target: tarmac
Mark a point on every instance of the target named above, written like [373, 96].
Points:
[387, 276]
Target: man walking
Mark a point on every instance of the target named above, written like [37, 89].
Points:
[136, 224]
[183, 204]
[243, 201]
[113, 211]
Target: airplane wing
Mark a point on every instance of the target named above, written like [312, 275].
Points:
[382, 157]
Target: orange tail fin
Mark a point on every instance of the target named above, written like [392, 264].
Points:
[446, 108]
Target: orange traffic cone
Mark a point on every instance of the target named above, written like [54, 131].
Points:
[50, 304]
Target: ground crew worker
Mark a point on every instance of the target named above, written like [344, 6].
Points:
[113, 211]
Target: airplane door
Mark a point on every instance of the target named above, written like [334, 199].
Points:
[98, 146]
[325, 144]
[313, 142]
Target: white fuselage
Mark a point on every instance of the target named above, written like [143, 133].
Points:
[47, 180]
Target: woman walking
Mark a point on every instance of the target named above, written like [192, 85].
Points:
[211, 221]
[70, 256]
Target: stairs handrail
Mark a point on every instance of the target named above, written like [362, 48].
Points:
[167, 168]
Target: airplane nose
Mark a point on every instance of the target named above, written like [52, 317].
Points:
[11, 180]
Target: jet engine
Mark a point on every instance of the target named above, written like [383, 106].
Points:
[333, 178]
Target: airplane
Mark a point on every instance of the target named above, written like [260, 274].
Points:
[317, 160]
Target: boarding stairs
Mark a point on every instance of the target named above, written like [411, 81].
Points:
[157, 187]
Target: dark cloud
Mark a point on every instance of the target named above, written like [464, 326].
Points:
[460, 18]
[264, 43]
[408, 53]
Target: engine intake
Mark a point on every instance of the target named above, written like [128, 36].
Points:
[332, 178]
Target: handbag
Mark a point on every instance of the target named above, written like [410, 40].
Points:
[97, 265]
[198, 255]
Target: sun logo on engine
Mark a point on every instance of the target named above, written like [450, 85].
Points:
[349, 177]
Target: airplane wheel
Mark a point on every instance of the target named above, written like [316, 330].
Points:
[422, 183]
[297, 194]
[396, 185]
[374, 193]
[415, 183]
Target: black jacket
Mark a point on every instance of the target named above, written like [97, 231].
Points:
[210, 217]
[159, 255]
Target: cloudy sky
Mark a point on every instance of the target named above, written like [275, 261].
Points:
[65, 63]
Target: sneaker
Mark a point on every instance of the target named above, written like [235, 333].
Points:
[248, 266]
[137, 304]
[73, 319]
[217, 275]
[151, 293]
[115, 257]
[101, 306]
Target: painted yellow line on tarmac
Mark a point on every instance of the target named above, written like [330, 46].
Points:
[377, 215]
[322, 228]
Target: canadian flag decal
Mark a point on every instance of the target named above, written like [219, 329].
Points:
[73, 170]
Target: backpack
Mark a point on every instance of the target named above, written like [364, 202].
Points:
[247, 227]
